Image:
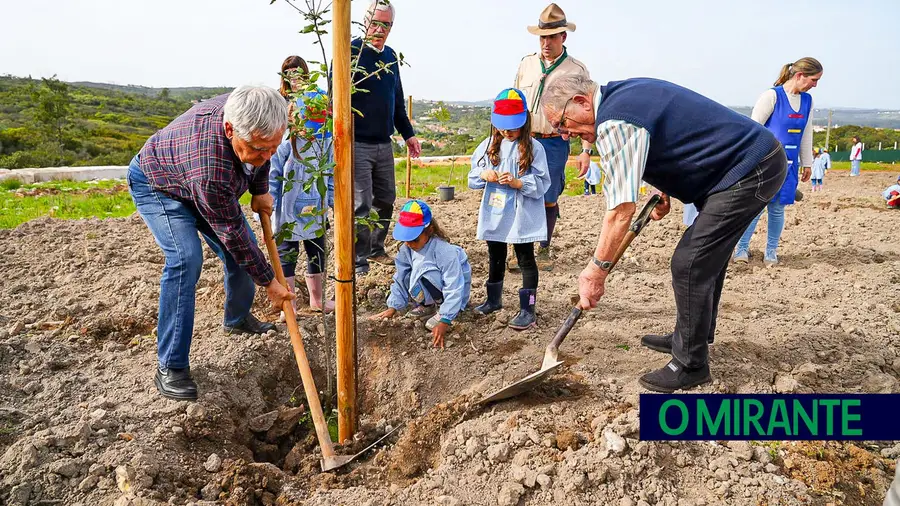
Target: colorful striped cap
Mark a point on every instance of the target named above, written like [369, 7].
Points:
[314, 115]
[415, 215]
[510, 110]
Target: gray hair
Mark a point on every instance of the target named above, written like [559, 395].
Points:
[256, 110]
[379, 5]
[561, 89]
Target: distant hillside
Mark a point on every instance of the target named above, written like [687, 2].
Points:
[45, 123]
[185, 93]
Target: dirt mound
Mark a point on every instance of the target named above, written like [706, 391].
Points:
[82, 424]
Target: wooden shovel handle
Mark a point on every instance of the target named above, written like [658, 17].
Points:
[309, 384]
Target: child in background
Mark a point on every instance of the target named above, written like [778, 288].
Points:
[429, 270]
[511, 167]
[892, 195]
[818, 170]
[296, 205]
[591, 179]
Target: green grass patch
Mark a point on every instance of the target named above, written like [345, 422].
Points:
[10, 184]
[17, 210]
[870, 166]
[425, 179]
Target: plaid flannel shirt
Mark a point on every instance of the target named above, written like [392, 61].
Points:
[192, 160]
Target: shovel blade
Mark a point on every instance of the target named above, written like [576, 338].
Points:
[336, 461]
[523, 385]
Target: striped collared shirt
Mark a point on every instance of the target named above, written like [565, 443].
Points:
[623, 149]
[192, 160]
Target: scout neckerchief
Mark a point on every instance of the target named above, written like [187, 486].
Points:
[546, 72]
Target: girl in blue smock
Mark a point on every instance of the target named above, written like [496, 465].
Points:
[296, 201]
[511, 168]
[786, 110]
[430, 272]
[818, 171]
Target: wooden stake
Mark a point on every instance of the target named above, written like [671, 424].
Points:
[344, 224]
[408, 154]
[309, 385]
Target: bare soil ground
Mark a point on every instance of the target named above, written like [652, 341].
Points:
[81, 423]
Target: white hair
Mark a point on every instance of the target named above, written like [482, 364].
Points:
[257, 110]
[379, 5]
[558, 92]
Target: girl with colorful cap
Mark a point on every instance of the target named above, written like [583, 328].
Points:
[299, 200]
[432, 273]
[511, 168]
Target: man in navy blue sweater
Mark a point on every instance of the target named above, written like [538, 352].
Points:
[693, 149]
[382, 108]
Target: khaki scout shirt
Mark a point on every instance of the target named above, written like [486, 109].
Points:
[528, 79]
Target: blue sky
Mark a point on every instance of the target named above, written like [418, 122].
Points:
[469, 50]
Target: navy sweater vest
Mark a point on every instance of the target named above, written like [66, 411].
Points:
[697, 146]
[381, 104]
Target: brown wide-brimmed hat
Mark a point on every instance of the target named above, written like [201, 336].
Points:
[552, 20]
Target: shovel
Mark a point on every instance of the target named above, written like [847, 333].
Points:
[329, 459]
[551, 354]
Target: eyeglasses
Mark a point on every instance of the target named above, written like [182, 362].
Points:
[384, 25]
[562, 119]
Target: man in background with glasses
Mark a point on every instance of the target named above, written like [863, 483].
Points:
[379, 100]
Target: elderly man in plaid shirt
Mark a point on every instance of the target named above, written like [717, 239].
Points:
[186, 180]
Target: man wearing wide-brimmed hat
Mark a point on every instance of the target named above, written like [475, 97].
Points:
[536, 72]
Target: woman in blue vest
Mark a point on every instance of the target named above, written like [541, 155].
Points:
[786, 110]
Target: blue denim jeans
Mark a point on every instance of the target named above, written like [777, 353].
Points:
[854, 167]
[557, 151]
[177, 225]
[776, 226]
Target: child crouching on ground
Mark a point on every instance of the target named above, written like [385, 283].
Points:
[511, 167]
[892, 195]
[429, 270]
[297, 205]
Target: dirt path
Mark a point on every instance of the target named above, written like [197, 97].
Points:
[81, 423]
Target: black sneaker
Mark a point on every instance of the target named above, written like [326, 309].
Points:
[675, 376]
[660, 343]
[176, 384]
[250, 325]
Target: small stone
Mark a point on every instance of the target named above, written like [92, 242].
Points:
[213, 463]
[211, 491]
[97, 417]
[741, 449]
[88, 483]
[33, 387]
[498, 452]
[263, 423]
[509, 494]
[64, 467]
[33, 347]
[17, 327]
[472, 446]
[626, 501]
[566, 439]
[517, 473]
[896, 366]
[125, 478]
[834, 320]
[196, 411]
[785, 384]
[97, 470]
[614, 442]
[543, 480]
[178, 430]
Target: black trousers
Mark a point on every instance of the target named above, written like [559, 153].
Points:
[525, 256]
[702, 255]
